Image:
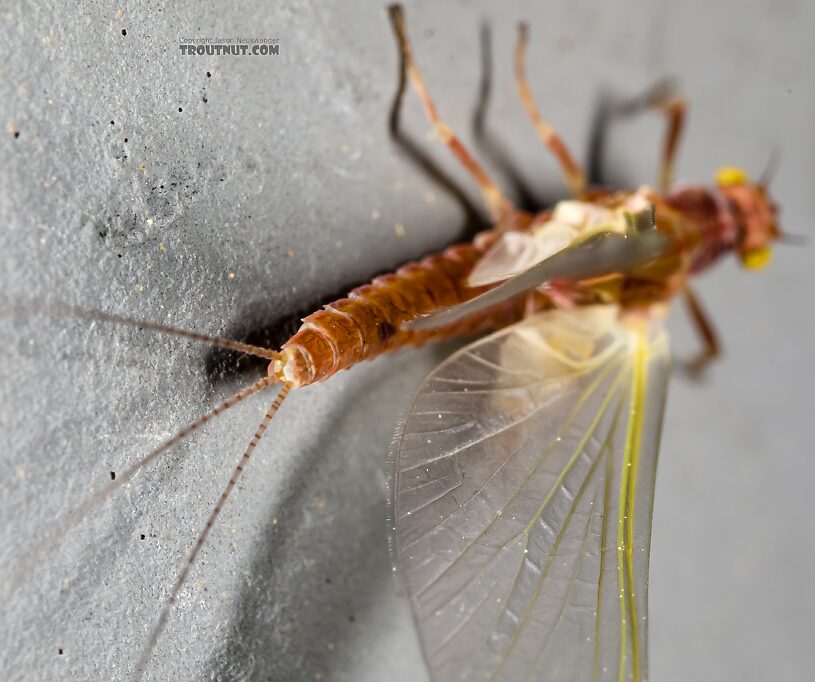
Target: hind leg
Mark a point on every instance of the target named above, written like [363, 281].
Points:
[499, 207]
[573, 173]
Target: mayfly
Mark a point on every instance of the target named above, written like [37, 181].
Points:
[524, 472]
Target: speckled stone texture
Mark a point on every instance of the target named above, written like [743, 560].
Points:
[230, 194]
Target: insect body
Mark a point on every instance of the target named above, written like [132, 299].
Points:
[522, 496]
[524, 471]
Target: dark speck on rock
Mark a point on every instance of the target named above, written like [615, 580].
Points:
[16, 134]
[180, 110]
[124, 31]
[209, 75]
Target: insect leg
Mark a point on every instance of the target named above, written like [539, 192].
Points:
[573, 173]
[499, 206]
[711, 348]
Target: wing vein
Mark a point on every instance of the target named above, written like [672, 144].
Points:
[595, 424]
[629, 473]
[572, 582]
[584, 397]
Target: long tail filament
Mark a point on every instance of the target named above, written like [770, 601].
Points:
[202, 537]
[25, 564]
[65, 310]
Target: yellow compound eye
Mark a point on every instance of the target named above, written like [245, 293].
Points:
[756, 259]
[730, 175]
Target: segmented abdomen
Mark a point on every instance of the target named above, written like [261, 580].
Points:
[369, 321]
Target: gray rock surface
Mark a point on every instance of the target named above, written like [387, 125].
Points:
[229, 194]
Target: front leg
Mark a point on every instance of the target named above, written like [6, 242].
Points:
[711, 348]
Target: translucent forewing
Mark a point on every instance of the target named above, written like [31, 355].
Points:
[514, 252]
[523, 496]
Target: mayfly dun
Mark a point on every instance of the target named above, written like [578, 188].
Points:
[524, 471]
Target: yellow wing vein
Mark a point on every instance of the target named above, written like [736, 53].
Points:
[578, 451]
[578, 566]
[499, 469]
[584, 397]
[467, 446]
[526, 508]
[628, 610]
[603, 550]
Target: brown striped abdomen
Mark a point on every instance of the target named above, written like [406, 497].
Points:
[369, 321]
